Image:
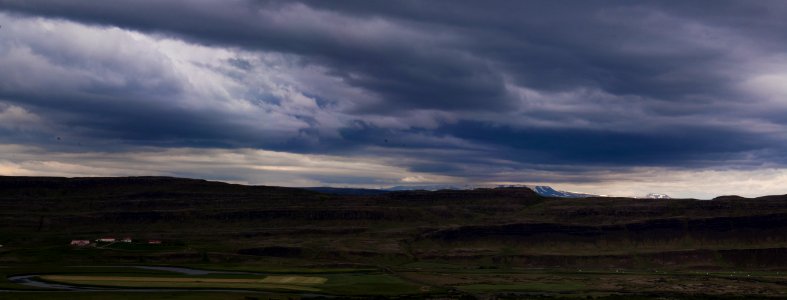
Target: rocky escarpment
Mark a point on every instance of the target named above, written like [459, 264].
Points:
[746, 228]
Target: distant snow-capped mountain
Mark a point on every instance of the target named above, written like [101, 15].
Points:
[434, 187]
[657, 196]
[548, 191]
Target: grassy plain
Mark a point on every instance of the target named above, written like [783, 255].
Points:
[295, 283]
[141, 296]
[430, 280]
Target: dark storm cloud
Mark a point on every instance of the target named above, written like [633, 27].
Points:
[543, 45]
[679, 146]
[513, 85]
[555, 45]
[112, 127]
[385, 62]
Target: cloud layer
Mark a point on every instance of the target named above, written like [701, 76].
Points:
[442, 91]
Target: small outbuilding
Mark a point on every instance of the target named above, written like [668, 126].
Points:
[154, 242]
[80, 243]
[106, 240]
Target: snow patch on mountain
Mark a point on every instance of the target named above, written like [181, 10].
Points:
[657, 196]
[548, 191]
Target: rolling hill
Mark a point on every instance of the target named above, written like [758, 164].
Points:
[511, 226]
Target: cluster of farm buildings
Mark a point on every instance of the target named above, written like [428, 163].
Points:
[83, 243]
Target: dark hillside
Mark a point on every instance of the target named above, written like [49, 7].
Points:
[510, 226]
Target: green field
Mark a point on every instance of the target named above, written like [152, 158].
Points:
[139, 296]
[426, 280]
[295, 283]
[361, 282]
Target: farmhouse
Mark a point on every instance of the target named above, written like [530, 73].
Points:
[154, 242]
[106, 240]
[80, 243]
[126, 239]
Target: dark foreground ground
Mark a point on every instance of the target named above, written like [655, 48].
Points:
[486, 243]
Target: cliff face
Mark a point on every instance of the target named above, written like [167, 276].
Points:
[507, 225]
[743, 227]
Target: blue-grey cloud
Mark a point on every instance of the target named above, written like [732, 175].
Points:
[457, 88]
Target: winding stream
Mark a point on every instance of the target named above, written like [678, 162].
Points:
[32, 280]
[181, 270]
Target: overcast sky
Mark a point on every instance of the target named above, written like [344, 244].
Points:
[687, 98]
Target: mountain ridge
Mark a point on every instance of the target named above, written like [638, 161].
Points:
[234, 220]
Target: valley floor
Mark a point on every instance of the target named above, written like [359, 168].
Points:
[412, 280]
